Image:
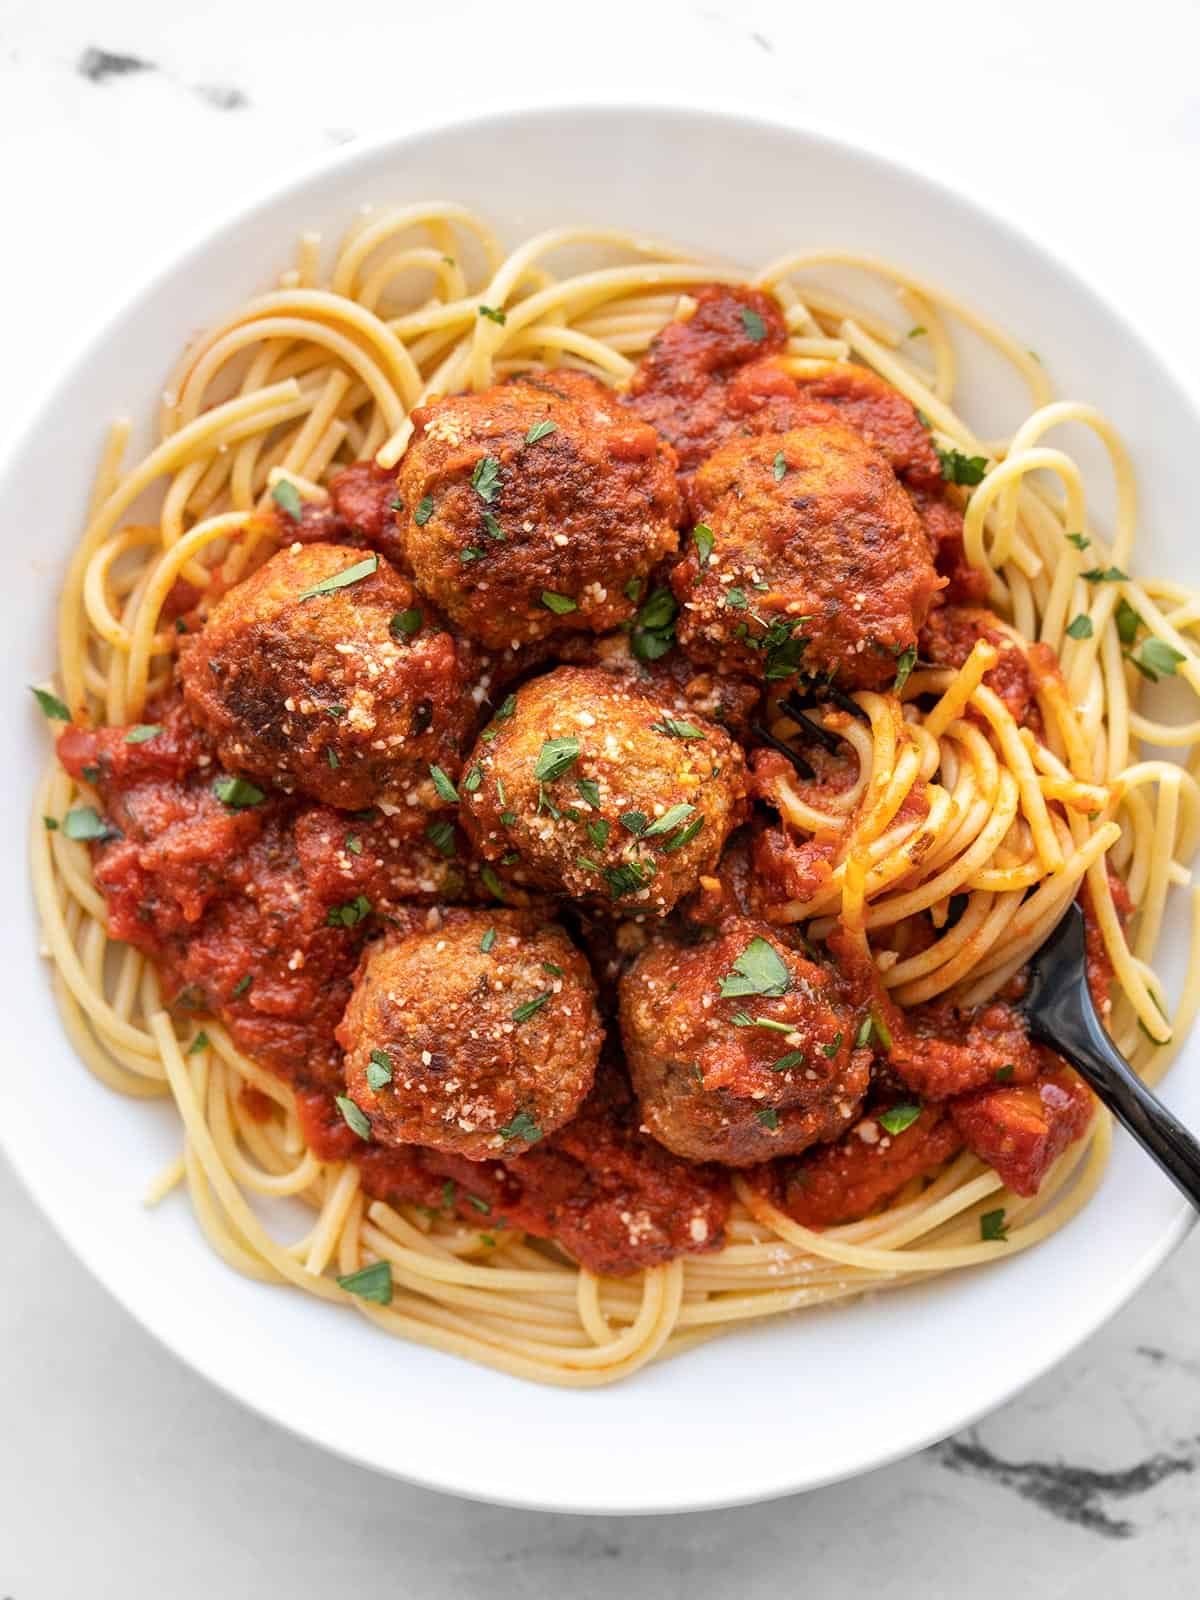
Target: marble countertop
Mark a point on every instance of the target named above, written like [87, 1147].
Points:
[122, 128]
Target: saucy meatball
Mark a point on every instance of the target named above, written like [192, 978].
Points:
[588, 785]
[740, 1049]
[477, 1037]
[531, 508]
[814, 560]
[344, 687]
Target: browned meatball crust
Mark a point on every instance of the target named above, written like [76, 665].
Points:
[814, 560]
[740, 1049]
[531, 508]
[590, 786]
[478, 1037]
[348, 695]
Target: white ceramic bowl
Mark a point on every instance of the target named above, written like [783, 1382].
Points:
[788, 1406]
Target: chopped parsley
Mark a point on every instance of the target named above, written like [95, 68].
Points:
[354, 1117]
[84, 822]
[473, 552]
[445, 789]
[590, 790]
[494, 530]
[598, 831]
[557, 756]
[51, 824]
[685, 835]
[1105, 575]
[488, 940]
[491, 313]
[331, 756]
[835, 1044]
[51, 705]
[760, 969]
[735, 598]
[143, 731]
[633, 821]
[628, 878]
[780, 466]
[743, 1019]
[756, 328]
[674, 728]
[961, 469]
[340, 580]
[424, 510]
[669, 819]
[1157, 659]
[794, 1058]
[1080, 627]
[768, 1118]
[1004, 1074]
[480, 1205]
[702, 538]
[200, 1042]
[349, 915]
[896, 1118]
[473, 778]
[916, 333]
[1128, 621]
[405, 623]
[653, 631]
[905, 662]
[237, 793]
[379, 1069]
[539, 431]
[485, 480]
[370, 1283]
[487, 876]
[992, 1225]
[287, 497]
[440, 834]
[522, 1126]
[1079, 540]
[242, 986]
[560, 604]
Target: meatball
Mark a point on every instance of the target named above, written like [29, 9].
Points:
[740, 1049]
[478, 1037]
[326, 672]
[589, 785]
[531, 509]
[814, 560]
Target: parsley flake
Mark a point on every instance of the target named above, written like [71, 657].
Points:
[835, 1044]
[590, 790]
[1080, 627]
[760, 969]
[685, 835]
[51, 705]
[669, 819]
[237, 793]
[905, 662]
[896, 1118]
[287, 497]
[702, 538]
[557, 756]
[440, 834]
[485, 480]
[540, 430]
[493, 315]
[349, 915]
[523, 1127]
[560, 604]
[1127, 620]
[961, 469]
[242, 986]
[794, 1058]
[768, 1118]
[445, 789]
[143, 731]
[379, 1069]
[488, 940]
[405, 623]
[992, 1225]
[424, 510]
[200, 1042]
[674, 728]
[756, 328]
[1157, 659]
[779, 468]
[341, 580]
[1079, 540]
[370, 1283]
[354, 1117]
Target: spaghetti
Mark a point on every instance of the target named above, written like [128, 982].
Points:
[953, 810]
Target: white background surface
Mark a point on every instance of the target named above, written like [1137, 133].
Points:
[124, 1475]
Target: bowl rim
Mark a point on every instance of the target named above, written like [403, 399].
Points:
[223, 225]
